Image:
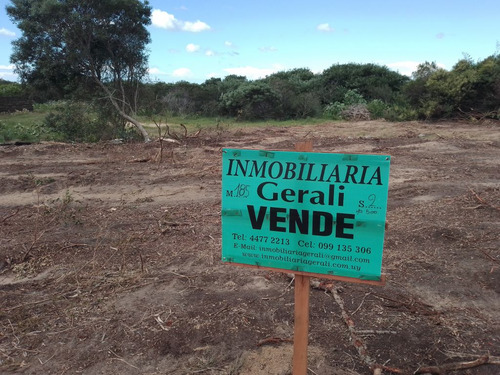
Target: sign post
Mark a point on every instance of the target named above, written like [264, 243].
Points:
[301, 309]
[301, 325]
[312, 214]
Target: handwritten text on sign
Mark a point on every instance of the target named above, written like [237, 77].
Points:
[310, 212]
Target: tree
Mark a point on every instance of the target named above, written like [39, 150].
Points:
[69, 45]
[181, 98]
[251, 101]
[469, 88]
[484, 96]
[297, 90]
[370, 80]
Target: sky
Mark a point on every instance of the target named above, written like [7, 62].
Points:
[194, 40]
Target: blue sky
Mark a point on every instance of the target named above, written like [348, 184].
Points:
[195, 40]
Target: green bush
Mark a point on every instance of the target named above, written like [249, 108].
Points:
[77, 122]
[10, 88]
[377, 109]
[399, 112]
[10, 132]
[335, 110]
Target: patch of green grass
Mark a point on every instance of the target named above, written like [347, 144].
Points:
[193, 124]
[29, 126]
[23, 126]
[278, 123]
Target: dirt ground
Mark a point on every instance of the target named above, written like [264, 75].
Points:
[110, 260]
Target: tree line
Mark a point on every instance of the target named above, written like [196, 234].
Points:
[469, 90]
[93, 54]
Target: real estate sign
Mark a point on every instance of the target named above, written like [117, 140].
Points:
[320, 213]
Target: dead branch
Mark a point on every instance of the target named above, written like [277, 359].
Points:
[412, 305]
[488, 256]
[273, 340]
[118, 358]
[171, 140]
[173, 136]
[143, 160]
[492, 360]
[328, 286]
[356, 112]
[9, 216]
[185, 130]
[379, 368]
[355, 339]
[443, 369]
[482, 201]
[29, 304]
[69, 246]
[38, 236]
[220, 311]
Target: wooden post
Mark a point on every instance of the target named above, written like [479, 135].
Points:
[301, 310]
[301, 325]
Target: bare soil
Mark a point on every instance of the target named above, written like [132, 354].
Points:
[110, 260]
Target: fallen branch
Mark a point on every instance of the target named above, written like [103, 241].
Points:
[171, 140]
[220, 311]
[488, 256]
[328, 286]
[143, 160]
[482, 201]
[30, 304]
[355, 339]
[9, 216]
[492, 360]
[185, 130]
[443, 369]
[118, 358]
[273, 340]
[38, 236]
[412, 305]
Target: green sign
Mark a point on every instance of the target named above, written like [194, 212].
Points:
[302, 211]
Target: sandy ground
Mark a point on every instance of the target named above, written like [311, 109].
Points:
[110, 260]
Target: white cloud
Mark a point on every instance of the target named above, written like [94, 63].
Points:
[5, 32]
[195, 27]
[229, 44]
[192, 48]
[182, 73]
[7, 72]
[165, 20]
[209, 53]
[325, 27]
[254, 73]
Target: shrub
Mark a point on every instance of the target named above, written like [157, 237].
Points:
[334, 110]
[353, 107]
[376, 108]
[22, 132]
[400, 113]
[76, 122]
